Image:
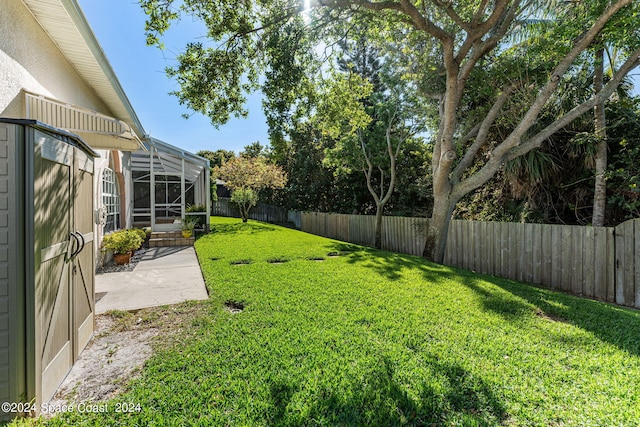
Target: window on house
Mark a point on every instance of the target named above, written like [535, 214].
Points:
[111, 200]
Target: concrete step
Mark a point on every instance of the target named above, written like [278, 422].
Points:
[169, 238]
[166, 235]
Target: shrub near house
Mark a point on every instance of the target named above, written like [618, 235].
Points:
[122, 242]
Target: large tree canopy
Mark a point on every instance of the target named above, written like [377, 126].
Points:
[464, 57]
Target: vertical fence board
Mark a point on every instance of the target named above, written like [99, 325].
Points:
[422, 226]
[619, 243]
[388, 237]
[567, 262]
[476, 260]
[451, 243]
[636, 262]
[395, 235]
[347, 224]
[529, 249]
[519, 242]
[341, 230]
[448, 254]
[547, 256]
[497, 249]
[455, 249]
[588, 260]
[416, 236]
[611, 264]
[329, 228]
[504, 251]
[406, 234]
[576, 261]
[354, 229]
[460, 242]
[514, 250]
[400, 235]
[488, 250]
[629, 261]
[481, 247]
[468, 246]
[385, 238]
[536, 254]
[556, 256]
[600, 237]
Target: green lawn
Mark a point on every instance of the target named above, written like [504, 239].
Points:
[376, 338]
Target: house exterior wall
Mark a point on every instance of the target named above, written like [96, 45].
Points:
[30, 61]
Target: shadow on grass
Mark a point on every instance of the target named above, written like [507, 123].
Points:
[455, 398]
[390, 265]
[513, 300]
[240, 227]
[614, 325]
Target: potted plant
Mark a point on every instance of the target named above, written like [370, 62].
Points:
[143, 236]
[188, 224]
[122, 242]
[199, 212]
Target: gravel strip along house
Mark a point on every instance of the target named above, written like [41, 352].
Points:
[75, 164]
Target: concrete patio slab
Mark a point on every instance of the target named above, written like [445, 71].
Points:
[163, 276]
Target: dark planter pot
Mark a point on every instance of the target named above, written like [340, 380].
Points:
[201, 217]
[122, 259]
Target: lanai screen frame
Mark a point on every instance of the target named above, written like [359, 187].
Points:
[171, 160]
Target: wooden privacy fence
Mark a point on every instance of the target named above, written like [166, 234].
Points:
[597, 262]
[260, 212]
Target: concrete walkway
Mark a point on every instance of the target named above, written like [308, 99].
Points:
[163, 276]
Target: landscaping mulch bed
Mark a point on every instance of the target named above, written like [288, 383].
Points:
[112, 267]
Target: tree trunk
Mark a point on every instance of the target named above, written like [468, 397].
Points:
[378, 233]
[244, 212]
[438, 230]
[600, 188]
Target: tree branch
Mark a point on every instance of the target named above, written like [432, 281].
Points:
[478, 31]
[451, 13]
[483, 132]
[392, 168]
[481, 48]
[480, 12]
[580, 44]
[368, 173]
[416, 19]
[534, 142]
[495, 161]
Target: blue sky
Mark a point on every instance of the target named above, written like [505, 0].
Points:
[119, 28]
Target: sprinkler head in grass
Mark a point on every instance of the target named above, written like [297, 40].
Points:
[234, 307]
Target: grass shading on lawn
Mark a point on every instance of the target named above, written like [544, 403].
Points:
[322, 332]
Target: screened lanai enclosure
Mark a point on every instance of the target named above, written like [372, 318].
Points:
[166, 182]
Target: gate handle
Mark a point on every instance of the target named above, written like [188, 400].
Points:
[73, 246]
[80, 248]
